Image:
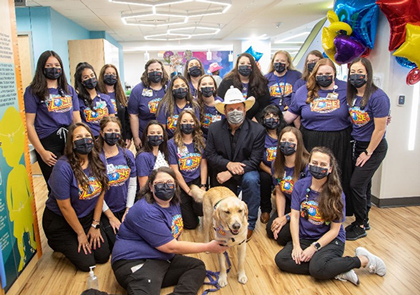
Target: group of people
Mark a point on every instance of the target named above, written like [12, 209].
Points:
[250, 133]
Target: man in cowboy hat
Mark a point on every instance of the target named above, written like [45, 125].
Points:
[234, 149]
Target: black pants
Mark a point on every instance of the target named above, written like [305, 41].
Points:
[186, 273]
[108, 228]
[54, 143]
[266, 182]
[190, 209]
[325, 263]
[284, 236]
[361, 179]
[62, 238]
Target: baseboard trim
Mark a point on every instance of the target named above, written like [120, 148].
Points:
[396, 202]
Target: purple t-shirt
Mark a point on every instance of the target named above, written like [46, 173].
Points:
[144, 102]
[188, 159]
[282, 87]
[194, 92]
[145, 162]
[286, 183]
[313, 228]
[299, 83]
[270, 146]
[363, 125]
[146, 227]
[324, 113]
[102, 107]
[54, 112]
[64, 186]
[170, 121]
[119, 172]
[211, 115]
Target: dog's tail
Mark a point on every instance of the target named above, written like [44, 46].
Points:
[197, 193]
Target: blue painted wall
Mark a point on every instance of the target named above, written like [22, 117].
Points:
[51, 30]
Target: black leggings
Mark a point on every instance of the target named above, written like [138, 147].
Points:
[62, 238]
[266, 182]
[190, 209]
[186, 273]
[108, 228]
[325, 263]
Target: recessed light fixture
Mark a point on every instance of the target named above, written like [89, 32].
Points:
[291, 37]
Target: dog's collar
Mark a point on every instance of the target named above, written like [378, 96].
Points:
[227, 235]
[217, 203]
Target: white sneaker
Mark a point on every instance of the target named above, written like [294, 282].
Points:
[375, 264]
[350, 276]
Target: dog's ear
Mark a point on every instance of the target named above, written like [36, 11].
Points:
[245, 208]
[216, 215]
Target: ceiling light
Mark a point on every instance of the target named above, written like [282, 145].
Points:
[210, 31]
[150, 2]
[292, 37]
[167, 37]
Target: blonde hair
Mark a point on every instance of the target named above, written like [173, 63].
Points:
[291, 67]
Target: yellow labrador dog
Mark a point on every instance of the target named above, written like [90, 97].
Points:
[228, 216]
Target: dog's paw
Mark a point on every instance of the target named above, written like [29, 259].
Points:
[223, 281]
[242, 278]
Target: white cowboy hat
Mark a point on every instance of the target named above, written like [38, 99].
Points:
[232, 96]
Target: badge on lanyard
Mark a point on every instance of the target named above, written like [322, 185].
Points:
[332, 96]
[147, 92]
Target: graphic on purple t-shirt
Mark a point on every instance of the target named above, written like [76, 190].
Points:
[211, 115]
[270, 146]
[287, 182]
[363, 124]
[313, 227]
[101, 107]
[281, 88]
[144, 102]
[64, 186]
[52, 114]
[119, 173]
[188, 159]
[145, 161]
[244, 90]
[325, 113]
[146, 227]
[171, 121]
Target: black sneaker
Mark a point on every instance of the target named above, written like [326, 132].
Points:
[350, 226]
[366, 224]
[355, 232]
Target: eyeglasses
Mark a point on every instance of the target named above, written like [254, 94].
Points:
[170, 182]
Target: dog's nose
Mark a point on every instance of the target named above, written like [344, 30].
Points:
[236, 226]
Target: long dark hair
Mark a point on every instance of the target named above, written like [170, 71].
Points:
[200, 100]
[198, 138]
[168, 100]
[119, 91]
[257, 82]
[145, 192]
[370, 86]
[312, 86]
[38, 85]
[147, 147]
[145, 77]
[96, 166]
[330, 204]
[81, 90]
[102, 124]
[301, 155]
[275, 110]
[306, 73]
[187, 73]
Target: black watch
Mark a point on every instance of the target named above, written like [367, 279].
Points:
[202, 185]
[316, 245]
[96, 226]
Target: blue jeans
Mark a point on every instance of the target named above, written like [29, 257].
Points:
[251, 195]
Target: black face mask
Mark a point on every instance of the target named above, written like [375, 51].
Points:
[53, 73]
[357, 80]
[83, 146]
[311, 66]
[318, 172]
[279, 67]
[180, 93]
[271, 123]
[90, 83]
[245, 70]
[155, 77]
[324, 80]
[287, 148]
[112, 138]
[164, 191]
[194, 71]
[187, 128]
[155, 140]
[207, 91]
[110, 80]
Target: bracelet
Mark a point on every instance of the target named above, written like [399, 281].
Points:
[367, 153]
[287, 217]
[202, 185]
[95, 220]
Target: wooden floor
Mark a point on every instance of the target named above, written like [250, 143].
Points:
[395, 236]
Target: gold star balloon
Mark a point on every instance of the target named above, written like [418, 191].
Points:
[411, 47]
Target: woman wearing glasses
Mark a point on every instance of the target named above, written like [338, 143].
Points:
[318, 237]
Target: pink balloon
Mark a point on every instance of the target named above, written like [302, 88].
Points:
[347, 49]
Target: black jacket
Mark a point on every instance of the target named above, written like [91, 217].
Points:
[249, 148]
[123, 115]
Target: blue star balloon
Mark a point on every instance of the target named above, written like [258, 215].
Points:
[402, 61]
[256, 55]
[362, 16]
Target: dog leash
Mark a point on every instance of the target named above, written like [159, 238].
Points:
[213, 277]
